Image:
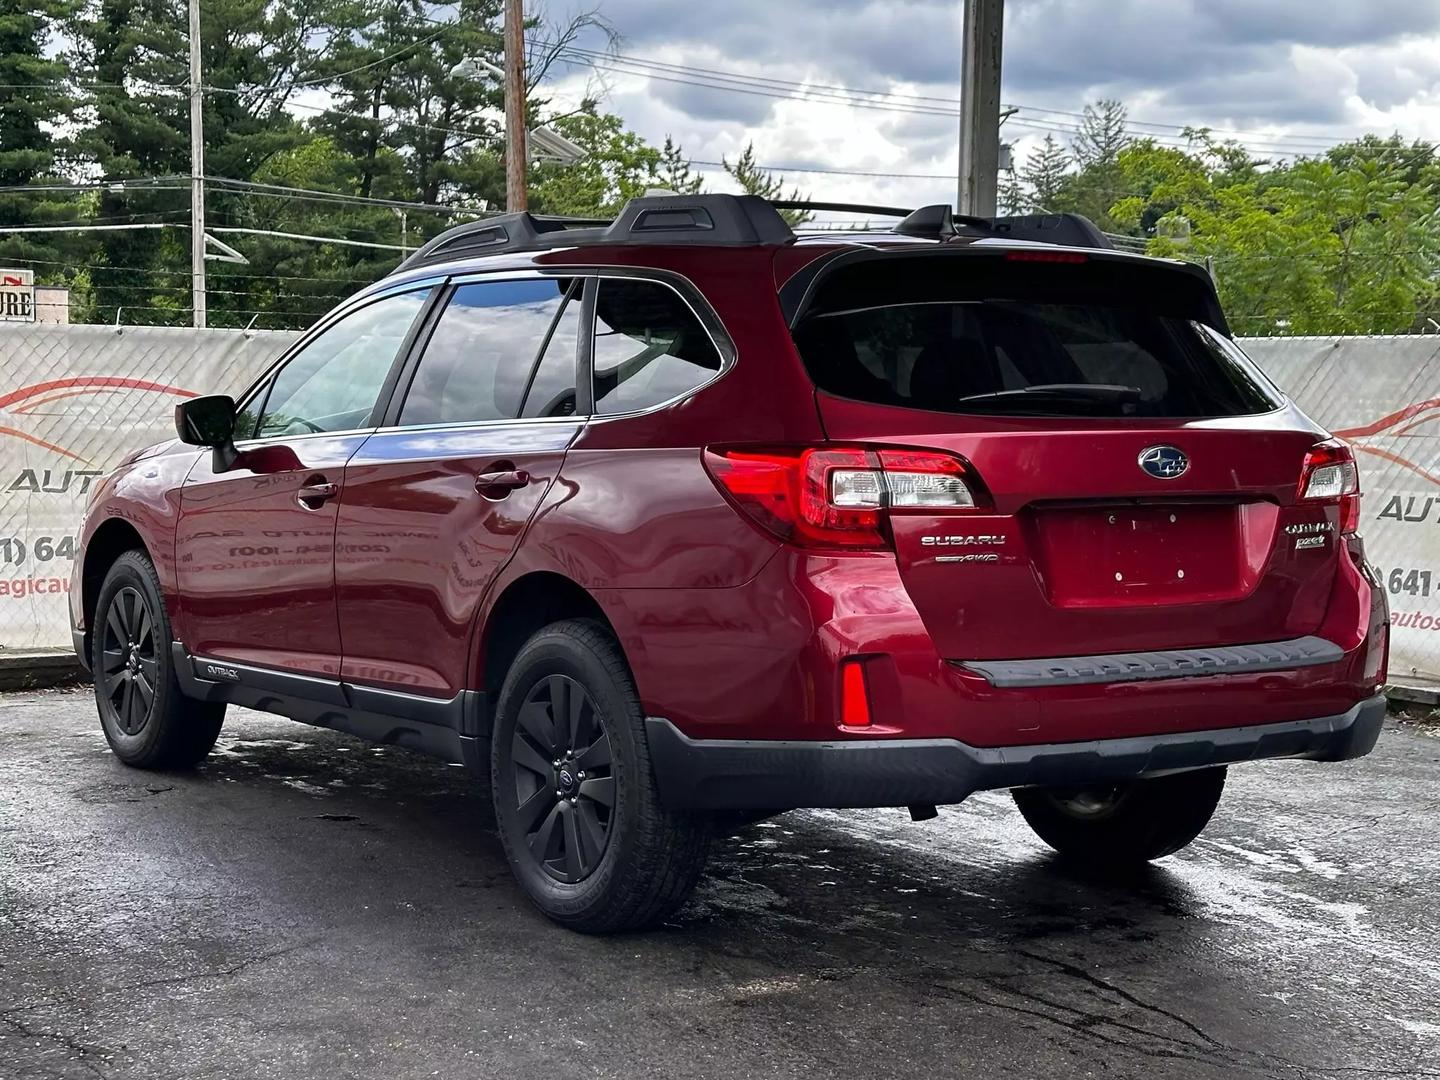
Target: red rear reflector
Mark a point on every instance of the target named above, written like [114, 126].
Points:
[854, 696]
[1046, 256]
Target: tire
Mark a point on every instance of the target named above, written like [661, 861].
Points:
[1124, 824]
[147, 721]
[589, 866]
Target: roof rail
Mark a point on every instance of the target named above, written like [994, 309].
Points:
[652, 219]
[728, 220]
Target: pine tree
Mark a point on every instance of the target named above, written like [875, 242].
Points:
[1099, 184]
[1043, 175]
[757, 181]
[675, 172]
[34, 100]
[1102, 135]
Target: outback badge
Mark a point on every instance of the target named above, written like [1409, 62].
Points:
[1164, 462]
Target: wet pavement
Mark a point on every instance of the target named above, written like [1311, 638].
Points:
[307, 906]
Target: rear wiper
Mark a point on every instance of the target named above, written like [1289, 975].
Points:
[1074, 391]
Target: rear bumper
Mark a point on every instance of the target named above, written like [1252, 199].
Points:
[734, 774]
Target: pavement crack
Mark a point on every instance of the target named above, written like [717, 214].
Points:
[222, 973]
[1075, 971]
[1077, 1021]
[81, 1051]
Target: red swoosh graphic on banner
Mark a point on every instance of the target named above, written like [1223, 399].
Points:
[75, 387]
[46, 445]
[31, 406]
[1416, 413]
[91, 382]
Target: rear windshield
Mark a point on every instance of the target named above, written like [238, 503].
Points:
[1002, 345]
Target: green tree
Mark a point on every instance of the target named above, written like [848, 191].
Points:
[35, 103]
[754, 180]
[1097, 184]
[618, 165]
[675, 171]
[1043, 175]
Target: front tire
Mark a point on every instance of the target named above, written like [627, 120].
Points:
[147, 721]
[575, 797]
[1123, 824]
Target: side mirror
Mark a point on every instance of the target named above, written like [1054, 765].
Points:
[209, 421]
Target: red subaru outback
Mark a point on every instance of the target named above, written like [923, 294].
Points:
[687, 518]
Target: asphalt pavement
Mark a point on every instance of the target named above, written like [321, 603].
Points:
[306, 906]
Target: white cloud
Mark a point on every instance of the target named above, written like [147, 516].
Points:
[1289, 74]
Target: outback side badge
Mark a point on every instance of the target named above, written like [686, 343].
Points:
[1164, 462]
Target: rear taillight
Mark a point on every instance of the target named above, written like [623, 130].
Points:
[838, 496]
[1329, 475]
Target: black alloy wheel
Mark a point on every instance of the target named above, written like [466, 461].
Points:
[129, 668]
[562, 779]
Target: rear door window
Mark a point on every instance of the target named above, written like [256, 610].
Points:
[479, 362]
[650, 347]
[1023, 342]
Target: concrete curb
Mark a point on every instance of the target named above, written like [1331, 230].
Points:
[38, 669]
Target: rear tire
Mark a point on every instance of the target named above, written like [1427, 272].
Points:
[147, 721]
[1123, 824]
[575, 800]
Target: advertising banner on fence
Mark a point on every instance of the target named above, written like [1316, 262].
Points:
[75, 399]
[1382, 396]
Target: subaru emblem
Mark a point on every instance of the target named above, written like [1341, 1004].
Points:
[1164, 462]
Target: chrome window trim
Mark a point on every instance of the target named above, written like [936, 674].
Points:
[460, 425]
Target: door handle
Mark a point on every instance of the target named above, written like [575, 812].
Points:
[311, 496]
[501, 481]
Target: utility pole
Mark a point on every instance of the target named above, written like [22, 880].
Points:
[983, 27]
[197, 174]
[514, 106]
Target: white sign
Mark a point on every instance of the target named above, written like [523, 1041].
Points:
[17, 295]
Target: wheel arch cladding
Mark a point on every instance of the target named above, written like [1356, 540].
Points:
[525, 606]
[111, 539]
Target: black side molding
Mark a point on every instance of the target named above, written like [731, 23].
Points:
[1162, 664]
[453, 729]
[735, 774]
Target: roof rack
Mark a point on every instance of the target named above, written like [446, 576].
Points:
[730, 220]
[651, 219]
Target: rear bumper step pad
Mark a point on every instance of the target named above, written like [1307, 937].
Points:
[735, 774]
[1162, 664]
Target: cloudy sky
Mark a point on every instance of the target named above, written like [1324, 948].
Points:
[1290, 76]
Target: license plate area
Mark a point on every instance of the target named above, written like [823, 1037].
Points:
[1116, 556]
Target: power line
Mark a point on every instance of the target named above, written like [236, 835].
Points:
[830, 172]
[338, 196]
[307, 236]
[363, 67]
[481, 135]
[710, 78]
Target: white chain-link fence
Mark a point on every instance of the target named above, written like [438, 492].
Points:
[75, 399]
